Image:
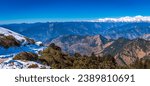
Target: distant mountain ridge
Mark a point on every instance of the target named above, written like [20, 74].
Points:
[134, 50]
[45, 32]
[84, 45]
[125, 51]
[126, 42]
[126, 39]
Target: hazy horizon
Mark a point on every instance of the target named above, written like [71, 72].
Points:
[30, 11]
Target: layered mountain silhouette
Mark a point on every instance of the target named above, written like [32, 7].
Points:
[84, 45]
[117, 43]
[45, 32]
[124, 50]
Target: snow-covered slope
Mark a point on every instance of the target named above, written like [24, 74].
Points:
[125, 19]
[25, 45]
[146, 37]
[17, 64]
[7, 32]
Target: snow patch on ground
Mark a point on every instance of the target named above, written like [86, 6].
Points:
[17, 64]
[7, 54]
[6, 57]
[146, 37]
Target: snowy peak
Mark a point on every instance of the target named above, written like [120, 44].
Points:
[11, 44]
[7, 32]
[125, 19]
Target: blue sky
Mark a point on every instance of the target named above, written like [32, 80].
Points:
[12, 11]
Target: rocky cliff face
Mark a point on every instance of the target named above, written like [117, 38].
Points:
[134, 50]
[115, 47]
[125, 51]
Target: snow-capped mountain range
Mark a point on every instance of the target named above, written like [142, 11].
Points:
[125, 19]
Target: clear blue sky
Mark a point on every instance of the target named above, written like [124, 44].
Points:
[67, 10]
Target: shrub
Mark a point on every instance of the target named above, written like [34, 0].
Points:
[52, 45]
[52, 56]
[33, 66]
[30, 41]
[26, 56]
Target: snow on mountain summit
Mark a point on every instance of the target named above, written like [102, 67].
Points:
[22, 39]
[7, 32]
[125, 19]
[12, 43]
